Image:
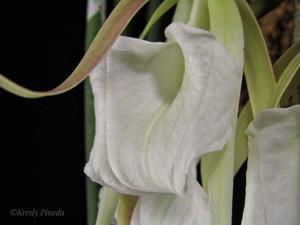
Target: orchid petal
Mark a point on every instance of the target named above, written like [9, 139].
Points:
[158, 107]
[169, 209]
[273, 179]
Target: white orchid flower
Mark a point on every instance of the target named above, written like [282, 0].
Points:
[159, 107]
[168, 209]
[273, 179]
[273, 174]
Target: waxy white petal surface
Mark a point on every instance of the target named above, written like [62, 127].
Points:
[192, 208]
[159, 106]
[273, 174]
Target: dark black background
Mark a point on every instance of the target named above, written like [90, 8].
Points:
[42, 140]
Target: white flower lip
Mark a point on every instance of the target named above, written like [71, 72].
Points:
[158, 107]
[272, 191]
[168, 209]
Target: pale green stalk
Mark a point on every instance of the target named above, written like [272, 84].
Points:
[126, 206]
[258, 68]
[217, 169]
[241, 140]
[199, 14]
[183, 10]
[285, 69]
[259, 76]
[107, 207]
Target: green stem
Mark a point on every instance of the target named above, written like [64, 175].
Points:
[154, 33]
[107, 208]
[125, 208]
[199, 14]
[183, 10]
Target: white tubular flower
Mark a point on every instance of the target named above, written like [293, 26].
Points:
[158, 107]
[192, 208]
[273, 174]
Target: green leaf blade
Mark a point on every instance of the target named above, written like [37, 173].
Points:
[241, 140]
[285, 79]
[158, 13]
[285, 59]
[109, 32]
[258, 69]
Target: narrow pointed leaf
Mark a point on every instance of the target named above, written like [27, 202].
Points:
[246, 116]
[286, 78]
[110, 30]
[280, 66]
[159, 12]
[285, 59]
[258, 69]
[260, 80]
[273, 179]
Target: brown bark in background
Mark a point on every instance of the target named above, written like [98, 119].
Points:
[278, 28]
[281, 28]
